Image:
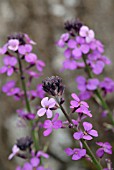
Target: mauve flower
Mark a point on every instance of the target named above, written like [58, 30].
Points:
[49, 125]
[15, 151]
[63, 39]
[25, 49]
[97, 62]
[105, 148]
[13, 44]
[69, 64]
[31, 58]
[9, 65]
[25, 115]
[10, 89]
[47, 105]
[87, 33]
[27, 166]
[81, 106]
[88, 133]
[83, 84]
[97, 45]
[107, 85]
[85, 95]
[76, 153]
[78, 47]
[40, 65]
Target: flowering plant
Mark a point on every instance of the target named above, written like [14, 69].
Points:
[82, 51]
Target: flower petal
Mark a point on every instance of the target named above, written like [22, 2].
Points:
[41, 112]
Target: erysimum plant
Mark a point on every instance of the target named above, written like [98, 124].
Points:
[82, 51]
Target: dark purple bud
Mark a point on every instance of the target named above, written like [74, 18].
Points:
[53, 86]
[62, 100]
[73, 26]
[24, 143]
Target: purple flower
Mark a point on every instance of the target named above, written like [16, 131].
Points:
[81, 106]
[40, 65]
[31, 58]
[9, 63]
[97, 62]
[27, 166]
[63, 39]
[10, 89]
[25, 115]
[47, 105]
[76, 153]
[69, 64]
[87, 33]
[105, 148]
[97, 45]
[85, 95]
[87, 134]
[15, 151]
[49, 125]
[107, 85]
[13, 44]
[90, 84]
[25, 49]
[78, 47]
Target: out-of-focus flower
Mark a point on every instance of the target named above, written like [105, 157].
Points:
[107, 85]
[105, 148]
[49, 125]
[10, 89]
[9, 65]
[76, 153]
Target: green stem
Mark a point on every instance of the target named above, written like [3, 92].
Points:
[98, 94]
[90, 153]
[34, 134]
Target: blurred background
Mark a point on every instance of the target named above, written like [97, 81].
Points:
[43, 21]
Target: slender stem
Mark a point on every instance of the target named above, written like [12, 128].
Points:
[90, 153]
[34, 133]
[98, 94]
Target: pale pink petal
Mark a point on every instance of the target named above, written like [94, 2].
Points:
[41, 112]
[49, 113]
[44, 102]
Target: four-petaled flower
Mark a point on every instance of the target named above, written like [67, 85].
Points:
[10, 89]
[9, 63]
[13, 44]
[76, 153]
[105, 148]
[47, 105]
[87, 33]
[87, 134]
[81, 106]
[49, 125]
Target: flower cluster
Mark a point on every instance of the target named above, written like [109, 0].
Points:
[82, 42]
[82, 50]
[18, 49]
